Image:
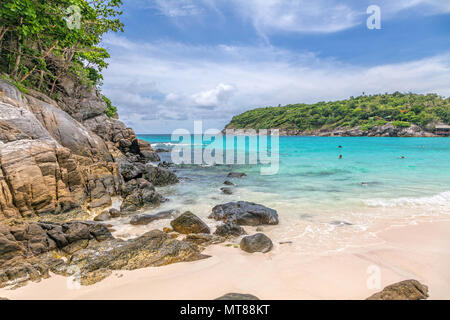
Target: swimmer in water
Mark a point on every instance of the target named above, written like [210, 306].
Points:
[340, 156]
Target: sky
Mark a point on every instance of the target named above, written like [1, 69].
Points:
[179, 61]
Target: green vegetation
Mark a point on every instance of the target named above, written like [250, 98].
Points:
[400, 109]
[43, 41]
[111, 111]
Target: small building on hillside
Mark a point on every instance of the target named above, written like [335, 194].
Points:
[442, 130]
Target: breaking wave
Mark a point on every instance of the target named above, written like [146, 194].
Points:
[441, 199]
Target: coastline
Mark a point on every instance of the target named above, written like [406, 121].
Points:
[418, 251]
[387, 130]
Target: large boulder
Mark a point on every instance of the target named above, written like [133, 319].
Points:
[159, 176]
[144, 219]
[404, 290]
[258, 242]
[140, 194]
[244, 213]
[189, 223]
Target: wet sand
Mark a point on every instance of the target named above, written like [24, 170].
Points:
[419, 251]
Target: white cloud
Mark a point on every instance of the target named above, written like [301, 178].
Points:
[215, 97]
[304, 16]
[299, 15]
[160, 87]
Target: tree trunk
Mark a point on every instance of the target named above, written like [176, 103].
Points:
[35, 66]
[3, 31]
[41, 79]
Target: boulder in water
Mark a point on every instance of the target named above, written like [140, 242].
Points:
[244, 213]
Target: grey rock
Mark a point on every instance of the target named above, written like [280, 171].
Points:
[104, 216]
[229, 229]
[144, 219]
[228, 183]
[160, 176]
[236, 175]
[258, 242]
[227, 190]
[244, 213]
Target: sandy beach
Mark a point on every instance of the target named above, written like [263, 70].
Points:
[419, 251]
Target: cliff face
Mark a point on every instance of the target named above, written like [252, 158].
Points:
[62, 156]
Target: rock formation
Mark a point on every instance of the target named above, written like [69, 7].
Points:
[60, 161]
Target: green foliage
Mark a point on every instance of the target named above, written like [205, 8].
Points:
[365, 111]
[401, 124]
[42, 41]
[111, 111]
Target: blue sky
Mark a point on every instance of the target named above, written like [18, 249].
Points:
[185, 60]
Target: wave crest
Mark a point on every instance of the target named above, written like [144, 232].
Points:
[440, 199]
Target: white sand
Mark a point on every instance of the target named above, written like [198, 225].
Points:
[420, 251]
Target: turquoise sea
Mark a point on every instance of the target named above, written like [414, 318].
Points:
[377, 181]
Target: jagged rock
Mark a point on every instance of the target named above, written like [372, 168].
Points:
[227, 190]
[75, 246]
[17, 271]
[130, 171]
[159, 176]
[236, 175]
[258, 242]
[237, 296]
[147, 151]
[76, 231]
[244, 213]
[50, 163]
[140, 194]
[404, 290]
[144, 219]
[189, 223]
[154, 248]
[229, 229]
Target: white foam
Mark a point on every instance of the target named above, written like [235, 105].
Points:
[441, 199]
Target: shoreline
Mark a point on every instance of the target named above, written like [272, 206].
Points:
[408, 252]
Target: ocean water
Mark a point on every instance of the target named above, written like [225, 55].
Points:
[378, 182]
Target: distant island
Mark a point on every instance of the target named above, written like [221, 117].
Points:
[389, 115]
